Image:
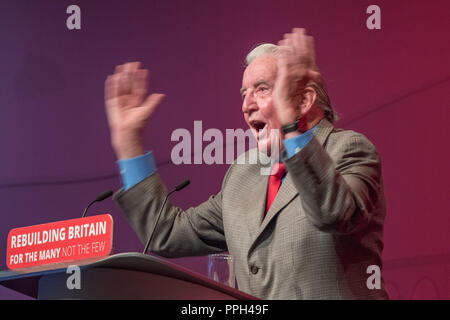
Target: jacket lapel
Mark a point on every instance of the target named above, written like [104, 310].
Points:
[285, 194]
[256, 202]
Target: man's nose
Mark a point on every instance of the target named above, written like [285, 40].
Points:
[249, 103]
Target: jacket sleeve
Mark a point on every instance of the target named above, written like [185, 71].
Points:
[340, 188]
[179, 233]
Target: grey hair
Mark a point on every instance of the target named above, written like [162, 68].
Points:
[323, 100]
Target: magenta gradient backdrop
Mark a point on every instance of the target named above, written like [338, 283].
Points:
[390, 84]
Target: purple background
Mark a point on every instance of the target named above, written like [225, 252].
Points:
[390, 84]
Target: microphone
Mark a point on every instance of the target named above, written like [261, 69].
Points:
[101, 197]
[179, 187]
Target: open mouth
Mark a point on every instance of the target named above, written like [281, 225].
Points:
[258, 125]
[259, 129]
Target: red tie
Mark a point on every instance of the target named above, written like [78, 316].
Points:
[276, 175]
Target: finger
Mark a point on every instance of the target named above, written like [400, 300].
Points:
[286, 42]
[282, 52]
[311, 50]
[299, 30]
[150, 104]
[309, 43]
[118, 69]
[131, 67]
[124, 83]
[108, 91]
[111, 87]
[282, 43]
[139, 83]
[283, 63]
[288, 39]
[299, 40]
[287, 36]
[315, 76]
[126, 77]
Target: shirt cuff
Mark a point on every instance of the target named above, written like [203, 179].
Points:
[134, 170]
[295, 144]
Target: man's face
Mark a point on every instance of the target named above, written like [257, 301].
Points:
[257, 105]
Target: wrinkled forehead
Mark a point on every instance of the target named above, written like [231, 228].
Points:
[261, 68]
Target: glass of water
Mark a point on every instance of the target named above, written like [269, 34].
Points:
[221, 269]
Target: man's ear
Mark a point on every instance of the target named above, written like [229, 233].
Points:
[309, 97]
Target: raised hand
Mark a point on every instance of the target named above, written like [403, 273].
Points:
[128, 108]
[296, 67]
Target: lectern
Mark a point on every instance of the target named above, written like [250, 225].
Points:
[122, 276]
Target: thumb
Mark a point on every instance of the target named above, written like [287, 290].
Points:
[150, 104]
[315, 76]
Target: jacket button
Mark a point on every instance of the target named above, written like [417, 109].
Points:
[254, 269]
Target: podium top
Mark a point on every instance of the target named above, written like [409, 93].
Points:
[27, 282]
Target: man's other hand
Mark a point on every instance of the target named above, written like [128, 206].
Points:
[128, 107]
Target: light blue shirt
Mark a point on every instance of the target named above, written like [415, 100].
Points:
[134, 170]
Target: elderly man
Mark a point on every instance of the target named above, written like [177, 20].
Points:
[310, 230]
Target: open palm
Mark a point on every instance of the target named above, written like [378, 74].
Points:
[127, 105]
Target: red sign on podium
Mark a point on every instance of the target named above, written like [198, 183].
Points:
[59, 242]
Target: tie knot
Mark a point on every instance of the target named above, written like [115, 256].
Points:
[278, 170]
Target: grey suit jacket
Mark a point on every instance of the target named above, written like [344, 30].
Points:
[322, 232]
